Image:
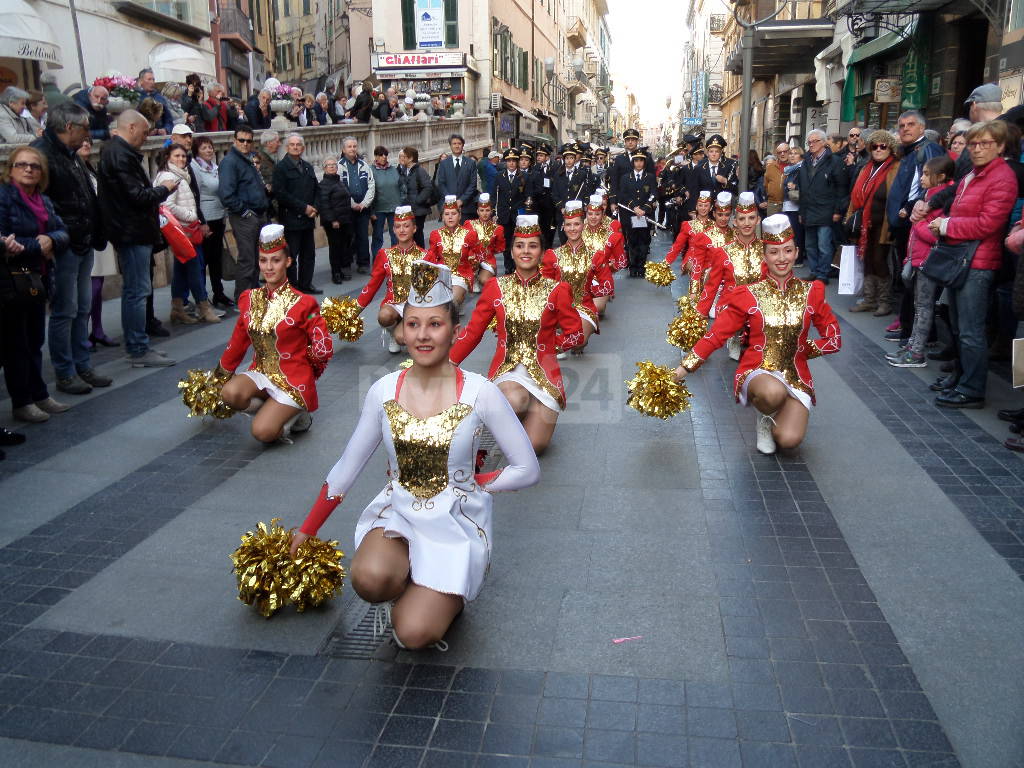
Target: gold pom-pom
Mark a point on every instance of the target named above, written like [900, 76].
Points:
[341, 313]
[268, 577]
[200, 392]
[407, 363]
[654, 392]
[659, 273]
[688, 327]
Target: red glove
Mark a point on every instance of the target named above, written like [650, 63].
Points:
[321, 510]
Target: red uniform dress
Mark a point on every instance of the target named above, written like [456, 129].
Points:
[682, 249]
[778, 318]
[529, 317]
[290, 341]
[458, 250]
[584, 270]
[711, 266]
[732, 264]
[606, 239]
[491, 239]
[393, 266]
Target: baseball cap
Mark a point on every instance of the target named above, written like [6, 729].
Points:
[180, 129]
[493, 154]
[988, 92]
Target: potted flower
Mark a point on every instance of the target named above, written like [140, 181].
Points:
[422, 103]
[122, 89]
[458, 109]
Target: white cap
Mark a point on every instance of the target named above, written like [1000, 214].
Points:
[484, 199]
[705, 193]
[272, 238]
[573, 205]
[431, 284]
[403, 211]
[181, 129]
[408, 100]
[451, 201]
[746, 200]
[776, 229]
[724, 200]
[597, 201]
[527, 225]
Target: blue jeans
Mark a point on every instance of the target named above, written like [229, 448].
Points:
[134, 263]
[378, 232]
[818, 250]
[361, 238]
[69, 312]
[189, 277]
[968, 309]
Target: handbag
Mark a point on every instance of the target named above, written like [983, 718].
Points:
[853, 225]
[20, 286]
[177, 240]
[948, 264]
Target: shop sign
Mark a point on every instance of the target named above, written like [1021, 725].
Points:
[506, 124]
[432, 61]
[430, 23]
[1011, 85]
[887, 90]
[915, 70]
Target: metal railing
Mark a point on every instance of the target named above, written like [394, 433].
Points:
[233, 21]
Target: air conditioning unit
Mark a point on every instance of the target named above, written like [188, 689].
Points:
[495, 102]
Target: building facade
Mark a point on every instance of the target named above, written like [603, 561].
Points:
[699, 107]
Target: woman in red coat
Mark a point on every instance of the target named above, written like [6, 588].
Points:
[778, 313]
[291, 348]
[456, 247]
[535, 317]
[491, 238]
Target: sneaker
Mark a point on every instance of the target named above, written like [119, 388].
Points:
[93, 379]
[152, 359]
[765, 440]
[561, 355]
[73, 385]
[302, 423]
[734, 347]
[894, 336]
[8, 438]
[30, 413]
[893, 326]
[909, 360]
[49, 405]
[897, 353]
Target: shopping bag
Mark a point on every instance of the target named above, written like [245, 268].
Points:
[1017, 367]
[176, 237]
[851, 272]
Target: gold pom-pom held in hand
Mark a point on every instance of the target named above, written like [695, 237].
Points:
[200, 392]
[268, 577]
[653, 391]
[341, 314]
[688, 327]
[659, 273]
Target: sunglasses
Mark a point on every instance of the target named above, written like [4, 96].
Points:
[244, 141]
[36, 167]
[879, 146]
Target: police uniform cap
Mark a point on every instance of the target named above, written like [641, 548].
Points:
[510, 154]
[717, 141]
[631, 133]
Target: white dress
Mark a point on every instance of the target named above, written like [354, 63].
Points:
[432, 499]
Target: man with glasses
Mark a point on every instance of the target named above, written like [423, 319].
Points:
[245, 198]
[823, 201]
[74, 200]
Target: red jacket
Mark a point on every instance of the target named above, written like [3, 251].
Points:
[921, 237]
[688, 230]
[459, 250]
[981, 210]
[220, 111]
[491, 237]
[393, 268]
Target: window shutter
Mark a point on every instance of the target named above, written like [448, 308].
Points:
[524, 70]
[409, 25]
[451, 23]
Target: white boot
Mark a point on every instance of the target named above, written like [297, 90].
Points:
[734, 347]
[388, 339]
[301, 423]
[765, 440]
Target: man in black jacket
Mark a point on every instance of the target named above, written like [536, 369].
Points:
[510, 191]
[573, 183]
[637, 193]
[823, 201]
[672, 189]
[74, 200]
[295, 187]
[244, 195]
[129, 207]
[542, 189]
[94, 101]
[714, 173]
[623, 166]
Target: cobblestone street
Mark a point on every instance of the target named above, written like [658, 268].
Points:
[858, 603]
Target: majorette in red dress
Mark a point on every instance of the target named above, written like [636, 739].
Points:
[392, 267]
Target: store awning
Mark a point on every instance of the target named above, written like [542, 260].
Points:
[24, 35]
[524, 113]
[171, 62]
[881, 44]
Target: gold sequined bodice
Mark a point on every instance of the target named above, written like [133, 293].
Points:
[783, 313]
[524, 309]
[697, 226]
[746, 260]
[575, 268]
[717, 235]
[422, 446]
[484, 231]
[451, 246]
[596, 239]
[265, 313]
[401, 270]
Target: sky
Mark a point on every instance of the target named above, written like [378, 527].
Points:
[647, 52]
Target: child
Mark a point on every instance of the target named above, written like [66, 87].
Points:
[936, 175]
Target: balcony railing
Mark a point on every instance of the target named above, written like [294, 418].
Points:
[576, 35]
[233, 21]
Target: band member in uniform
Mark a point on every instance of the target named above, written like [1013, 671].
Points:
[573, 183]
[291, 348]
[599, 168]
[715, 172]
[534, 319]
[509, 198]
[392, 267]
[696, 157]
[542, 191]
[777, 314]
[491, 237]
[456, 247]
[673, 188]
[423, 545]
[636, 197]
[623, 165]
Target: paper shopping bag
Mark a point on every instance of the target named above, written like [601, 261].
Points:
[1017, 367]
[851, 272]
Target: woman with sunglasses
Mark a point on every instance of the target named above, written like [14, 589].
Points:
[33, 235]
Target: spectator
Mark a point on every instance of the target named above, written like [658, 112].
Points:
[214, 111]
[295, 189]
[980, 209]
[389, 191]
[867, 201]
[335, 206]
[205, 171]
[257, 111]
[338, 107]
[358, 177]
[244, 195]
[823, 201]
[1005, 320]
[191, 101]
[362, 107]
[153, 111]
[756, 170]
[94, 101]
[129, 209]
[487, 170]
[322, 110]
[187, 276]
[74, 200]
[456, 175]
[48, 82]
[173, 93]
[437, 106]
[915, 151]
[270, 145]
[309, 106]
[408, 111]
[773, 176]
[35, 111]
[419, 190]
[388, 111]
[34, 236]
[791, 200]
[147, 89]
[957, 144]
[15, 129]
[104, 262]
[855, 154]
